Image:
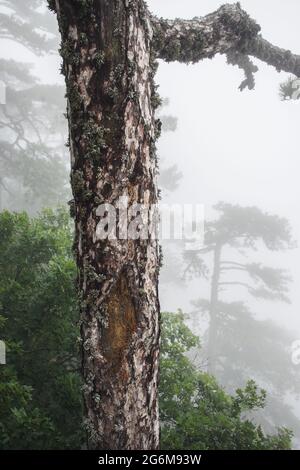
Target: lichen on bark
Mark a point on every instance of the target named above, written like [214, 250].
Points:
[108, 66]
[230, 31]
[110, 50]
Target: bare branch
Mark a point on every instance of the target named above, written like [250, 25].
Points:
[229, 31]
[235, 283]
[282, 59]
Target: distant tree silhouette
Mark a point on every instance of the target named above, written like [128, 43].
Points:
[33, 157]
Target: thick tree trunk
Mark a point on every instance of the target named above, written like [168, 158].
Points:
[111, 101]
[109, 64]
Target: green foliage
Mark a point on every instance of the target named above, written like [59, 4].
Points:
[196, 413]
[256, 348]
[40, 385]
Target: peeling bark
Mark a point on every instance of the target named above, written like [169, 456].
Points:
[106, 49]
[109, 48]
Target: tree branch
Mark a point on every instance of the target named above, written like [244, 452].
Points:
[235, 283]
[233, 268]
[281, 59]
[230, 31]
[235, 263]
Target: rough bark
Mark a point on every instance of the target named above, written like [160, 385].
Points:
[229, 31]
[109, 71]
[109, 49]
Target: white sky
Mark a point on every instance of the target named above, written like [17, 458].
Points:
[237, 147]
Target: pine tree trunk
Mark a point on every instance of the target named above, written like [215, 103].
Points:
[213, 312]
[109, 49]
[111, 100]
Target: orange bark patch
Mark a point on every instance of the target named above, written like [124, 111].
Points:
[121, 324]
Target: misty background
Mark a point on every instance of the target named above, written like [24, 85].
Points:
[237, 147]
[231, 146]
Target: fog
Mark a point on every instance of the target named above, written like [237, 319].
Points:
[237, 147]
[241, 148]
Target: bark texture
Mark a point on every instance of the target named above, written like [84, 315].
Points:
[229, 31]
[109, 48]
[109, 71]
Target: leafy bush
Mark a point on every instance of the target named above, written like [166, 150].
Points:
[40, 387]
